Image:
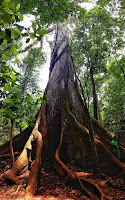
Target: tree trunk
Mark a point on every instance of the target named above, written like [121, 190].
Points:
[11, 144]
[97, 113]
[64, 111]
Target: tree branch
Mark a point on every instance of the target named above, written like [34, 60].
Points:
[21, 27]
[29, 46]
[36, 41]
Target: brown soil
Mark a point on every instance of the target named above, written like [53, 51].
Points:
[52, 187]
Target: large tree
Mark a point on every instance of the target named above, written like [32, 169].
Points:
[95, 39]
[64, 131]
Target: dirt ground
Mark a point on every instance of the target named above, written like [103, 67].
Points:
[51, 187]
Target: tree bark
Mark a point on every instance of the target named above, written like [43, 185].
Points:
[97, 113]
[11, 144]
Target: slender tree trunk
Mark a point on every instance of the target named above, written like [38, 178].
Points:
[97, 113]
[94, 95]
[11, 143]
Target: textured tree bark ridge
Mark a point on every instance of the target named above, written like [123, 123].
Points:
[61, 134]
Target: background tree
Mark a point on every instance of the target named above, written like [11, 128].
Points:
[112, 97]
[30, 71]
[96, 37]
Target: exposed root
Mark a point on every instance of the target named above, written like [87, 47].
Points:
[7, 168]
[86, 191]
[10, 177]
[5, 156]
[1, 178]
[21, 165]
[76, 178]
[20, 185]
[32, 180]
[83, 174]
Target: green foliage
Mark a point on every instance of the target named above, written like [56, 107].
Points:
[49, 11]
[8, 79]
[9, 35]
[112, 4]
[104, 2]
[20, 108]
[93, 38]
[113, 95]
[23, 101]
[30, 66]
[97, 36]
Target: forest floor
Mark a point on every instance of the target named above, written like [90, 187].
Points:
[51, 187]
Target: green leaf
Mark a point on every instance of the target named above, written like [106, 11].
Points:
[11, 6]
[6, 67]
[3, 33]
[6, 54]
[34, 26]
[18, 7]
[5, 4]
[1, 21]
[7, 87]
[5, 41]
[14, 50]
[6, 16]
[7, 0]
[20, 16]
[30, 100]
[32, 36]
[42, 32]
[13, 17]
[13, 77]
[7, 73]
[15, 33]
